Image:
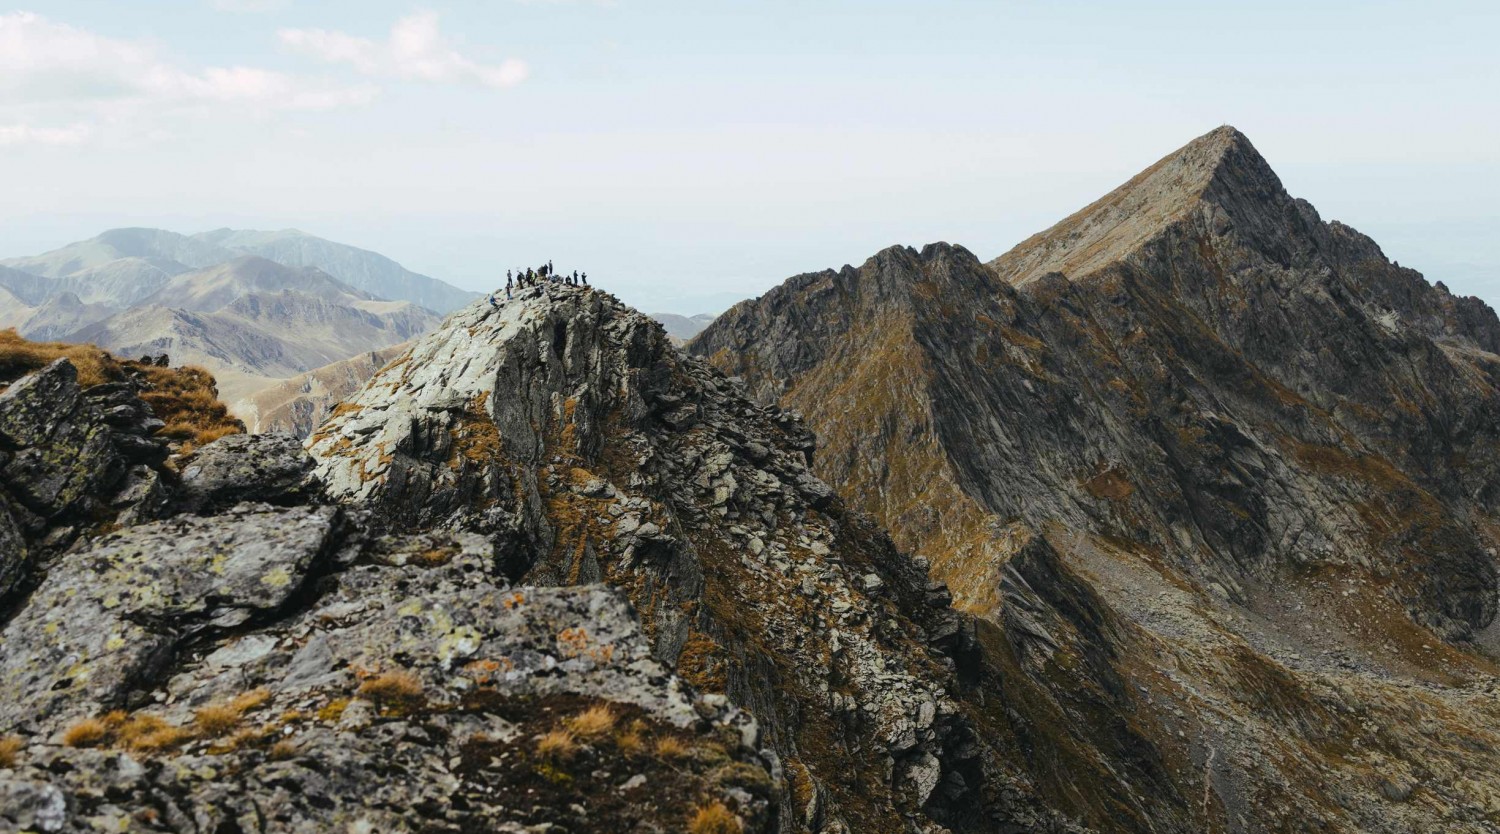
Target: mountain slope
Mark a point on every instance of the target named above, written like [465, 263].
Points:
[1213, 472]
[300, 404]
[567, 424]
[217, 286]
[680, 327]
[127, 263]
[360, 268]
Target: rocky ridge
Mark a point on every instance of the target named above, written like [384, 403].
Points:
[1216, 477]
[255, 659]
[565, 426]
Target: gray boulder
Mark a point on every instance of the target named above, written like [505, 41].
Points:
[247, 467]
[110, 614]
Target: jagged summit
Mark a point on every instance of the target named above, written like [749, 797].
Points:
[1190, 421]
[1221, 166]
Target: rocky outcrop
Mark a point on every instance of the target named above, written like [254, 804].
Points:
[565, 428]
[260, 668]
[71, 458]
[1213, 473]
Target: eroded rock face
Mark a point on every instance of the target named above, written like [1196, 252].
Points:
[1189, 448]
[566, 429]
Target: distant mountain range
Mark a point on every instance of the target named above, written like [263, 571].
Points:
[135, 259]
[253, 307]
[682, 328]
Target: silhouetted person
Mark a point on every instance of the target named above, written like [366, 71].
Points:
[585, 279]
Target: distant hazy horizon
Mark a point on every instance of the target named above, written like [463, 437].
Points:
[687, 156]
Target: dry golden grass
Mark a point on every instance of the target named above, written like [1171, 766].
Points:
[715, 819]
[398, 688]
[186, 398]
[592, 723]
[215, 720]
[254, 699]
[10, 750]
[161, 738]
[86, 732]
[283, 750]
[559, 745]
[630, 742]
[670, 747]
[141, 731]
[247, 737]
[19, 357]
[146, 732]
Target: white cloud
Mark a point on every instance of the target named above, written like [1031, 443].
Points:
[46, 66]
[415, 51]
[28, 135]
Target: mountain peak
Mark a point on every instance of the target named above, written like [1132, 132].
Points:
[1221, 166]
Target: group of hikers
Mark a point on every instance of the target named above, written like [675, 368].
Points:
[546, 274]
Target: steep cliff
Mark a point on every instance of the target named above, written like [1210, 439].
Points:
[1217, 477]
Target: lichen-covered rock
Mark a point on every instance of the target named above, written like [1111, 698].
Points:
[109, 614]
[273, 468]
[59, 453]
[13, 555]
[411, 690]
[72, 460]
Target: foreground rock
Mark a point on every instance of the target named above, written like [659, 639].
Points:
[69, 459]
[380, 685]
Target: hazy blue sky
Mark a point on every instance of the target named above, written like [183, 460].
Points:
[689, 153]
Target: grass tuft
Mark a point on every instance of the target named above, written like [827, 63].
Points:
[670, 747]
[86, 732]
[558, 745]
[10, 750]
[592, 723]
[214, 720]
[393, 689]
[715, 819]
